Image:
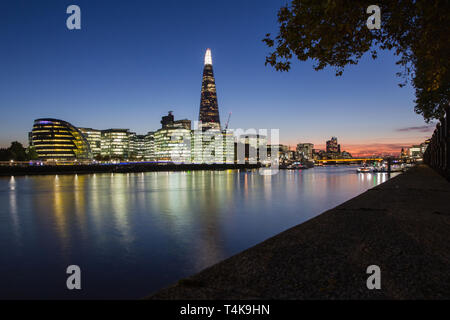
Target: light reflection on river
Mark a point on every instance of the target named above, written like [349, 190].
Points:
[134, 233]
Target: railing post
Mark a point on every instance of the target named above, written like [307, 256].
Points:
[437, 154]
[447, 142]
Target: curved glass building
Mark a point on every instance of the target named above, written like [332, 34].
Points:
[55, 139]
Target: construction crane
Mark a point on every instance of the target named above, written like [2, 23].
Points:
[228, 121]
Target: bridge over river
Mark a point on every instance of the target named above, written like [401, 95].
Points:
[351, 160]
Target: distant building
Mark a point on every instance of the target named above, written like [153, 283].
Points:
[55, 139]
[30, 138]
[248, 146]
[283, 152]
[305, 151]
[291, 155]
[415, 151]
[403, 153]
[167, 120]
[319, 154]
[346, 155]
[94, 137]
[332, 146]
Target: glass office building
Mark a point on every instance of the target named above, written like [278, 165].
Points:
[173, 145]
[137, 146]
[116, 143]
[212, 146]
[94, 137]
[149, 146]
[55, 139]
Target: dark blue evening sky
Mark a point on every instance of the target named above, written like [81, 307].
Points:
[134, 60]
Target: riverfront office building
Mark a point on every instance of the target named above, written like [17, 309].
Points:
[94, 137]
[213, 146]
[137, 146]
[55, 140]
[173, 141]
[120, 144]
[248, 147]
[116, 143]
[149, 146]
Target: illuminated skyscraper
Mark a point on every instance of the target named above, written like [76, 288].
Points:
[209, 108]
[332, 146]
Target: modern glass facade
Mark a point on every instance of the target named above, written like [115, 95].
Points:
[94, 137]
[149, 146]
[173, 144]
[56, 139]
[249, 145]
[212, 146]
[209, 108]
[137, 146]
[228, 146]
[116, 143]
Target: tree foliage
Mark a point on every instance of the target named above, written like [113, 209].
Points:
[17, 152]
[32, 154]
[334, 33]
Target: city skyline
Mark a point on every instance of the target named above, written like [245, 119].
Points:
[126, 82]
[189, 154]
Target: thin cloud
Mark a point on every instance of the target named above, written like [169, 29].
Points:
[426, 128]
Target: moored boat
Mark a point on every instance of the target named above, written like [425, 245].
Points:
[364, 170]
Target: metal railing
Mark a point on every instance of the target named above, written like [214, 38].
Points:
[437, 154]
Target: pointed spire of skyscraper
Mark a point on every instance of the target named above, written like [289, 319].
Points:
[209, 109]
[208, 58]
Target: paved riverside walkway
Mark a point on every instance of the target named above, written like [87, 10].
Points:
[403, 226]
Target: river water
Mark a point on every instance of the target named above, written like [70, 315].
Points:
[132, 234]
